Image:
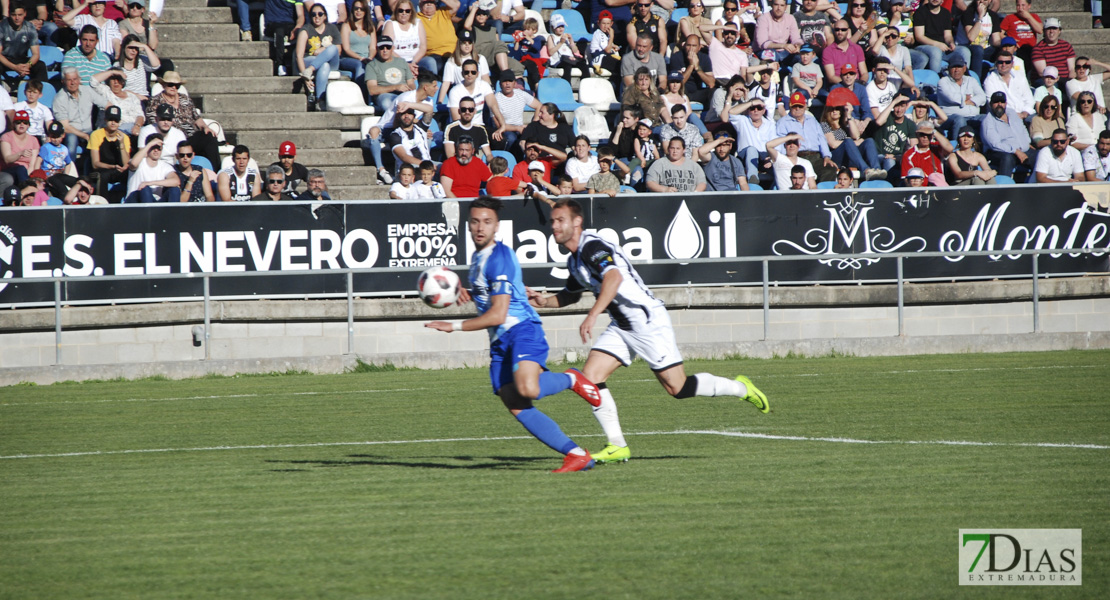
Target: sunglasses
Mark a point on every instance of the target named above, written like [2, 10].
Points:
[26, 196]
[470, 72]
[1086, 101]
[153, 148]
[171, 85]
[841, 29]
[466, 109]
[1082, 66]
[731, 9]
[355, 8]
[643, 4]
[731, 32]
[319, 14]
[858, 5]
[275, 181]
[760, 107]
[185, 154]
[893, 36]
[403, 11]
[1048, 106]
[286, 156]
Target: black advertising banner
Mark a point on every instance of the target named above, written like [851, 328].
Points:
[317, 240]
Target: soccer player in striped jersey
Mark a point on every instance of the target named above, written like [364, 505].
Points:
[518, 348]
[639, 325]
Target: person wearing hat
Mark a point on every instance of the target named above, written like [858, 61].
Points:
[966, 165]
[538, 185]
[928, 153]
[915, 178]
[152, 180]
[1006, 141]
[511, 102]
[452, 69]
[19, 48]
[723, 171]
[295, 172]
[107, 30]
[186, 117]
[54, 158]
[960, 96]
[1053, 51]
[564, 54]
[439, 29]
[806, 75]
[85, 57]
[164, 124]
[18, 149]
[812, 146]
[109, 154]
[1018, 93]
[932, 32]
[860, 110]
[387, 76]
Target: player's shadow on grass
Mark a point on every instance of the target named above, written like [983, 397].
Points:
[509, 463]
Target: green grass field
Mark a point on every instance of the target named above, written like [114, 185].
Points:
[414, 484]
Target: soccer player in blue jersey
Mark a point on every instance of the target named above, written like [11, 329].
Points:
[517, 346]
[639, 325]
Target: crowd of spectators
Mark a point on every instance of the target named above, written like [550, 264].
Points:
[777, 93]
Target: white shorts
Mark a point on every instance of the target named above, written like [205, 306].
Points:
[651, 339]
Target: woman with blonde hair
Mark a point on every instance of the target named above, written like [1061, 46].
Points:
[1085, 121]
[644, 94]
[452, 69]
[359, 41]
[410, 41]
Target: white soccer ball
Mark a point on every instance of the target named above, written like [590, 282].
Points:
[438, 287]
[487, 5]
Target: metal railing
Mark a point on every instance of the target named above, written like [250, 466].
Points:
[350, 294]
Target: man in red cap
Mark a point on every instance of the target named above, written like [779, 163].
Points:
[861, 108]
[295, 172]
[813, 146]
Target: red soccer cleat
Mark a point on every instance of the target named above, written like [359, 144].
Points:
[585, 388]
[576, 462]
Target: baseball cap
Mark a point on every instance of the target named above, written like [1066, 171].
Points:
[11, 196]
[466, 35]
[1051, 71]
[141, 3]
[847, 68]
[165, 112]
[604, 15]
[915, 172]
[998, 97]
[55, 129]
[1052, 23]
[558, 21]
[797, 99]
[674, 76]
[22, 115]
[956, 61]
[507, 75]
[806, 48]
[537, 166]
[646, 123]
[897, 1]
[39, 173]
[723, 133]
[113, 113]
[967, 130]
[385, 42]
[287, 149]
[1009, 41]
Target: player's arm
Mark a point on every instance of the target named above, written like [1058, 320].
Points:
[496, 315]
[564, 297]
[605, 296]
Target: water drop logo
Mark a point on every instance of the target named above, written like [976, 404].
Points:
[684, 239]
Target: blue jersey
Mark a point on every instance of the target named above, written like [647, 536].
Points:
[494, 271]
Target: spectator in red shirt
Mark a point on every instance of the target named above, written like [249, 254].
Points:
[461, 175]
[1054, 52]
[520, 171]
[925, 157]
[1024, 26]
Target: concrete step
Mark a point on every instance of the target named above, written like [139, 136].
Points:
[1097, 50]
[199, 86]
[192, 32]
[325, 158]
[259, 104]
[358, 192]
[199, 4]
[1072, 23]
[177, 15]
[1088, 36]
[351, 175]
[231, 69]
[239, 121]
[1045, 8]
[185, 50]
[326, 138]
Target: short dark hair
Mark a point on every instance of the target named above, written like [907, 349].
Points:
[677, 139]
[678, 108]
[489, 202]
[1104, 134]
[89, 29]
[634, 110]
[241, 149]
[427, 165]
[570, 204]
[797, 170]
[425, 76]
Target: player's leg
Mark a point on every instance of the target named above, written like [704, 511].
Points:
[608, 354]
[679, 385]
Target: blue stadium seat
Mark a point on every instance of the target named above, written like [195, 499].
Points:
[1004, 180]
[755, 187]
[875, 184]
[508, 157]
[926, 78]
[199, 161]
[627, 189]
[678, 13]
[47, 98]
[576, 27]
[51, 57]
[826, 185]
[557, 90]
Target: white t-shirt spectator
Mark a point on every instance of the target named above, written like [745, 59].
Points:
[512, 109]
[899, 60]
[481, 89]
[582, 171]
[880, 98]
[40, 115]
[452, 73]
[782, 168]
[146, 172]
[169, 143]
[1093, 85]
[405, 193]
[1061, 169]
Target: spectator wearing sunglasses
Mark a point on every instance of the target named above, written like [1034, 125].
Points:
[196, 183]
[274, 187]
[295, 172]
[1085, 121]
[317, 53]
[1086, 80]
[1059, 162]
[1019, 96]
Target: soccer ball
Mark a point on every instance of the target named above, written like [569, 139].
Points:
[438, 287]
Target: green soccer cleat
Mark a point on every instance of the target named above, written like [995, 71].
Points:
[612, 454]
[756, 397]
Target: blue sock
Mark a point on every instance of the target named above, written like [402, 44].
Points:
[553, 383]
[545, 430]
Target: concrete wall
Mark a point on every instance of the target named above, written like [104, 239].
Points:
[104, 342]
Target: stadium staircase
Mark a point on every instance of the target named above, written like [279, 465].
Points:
[232, 82]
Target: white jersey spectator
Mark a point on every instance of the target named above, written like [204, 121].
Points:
[1066, 166]
[480, 91]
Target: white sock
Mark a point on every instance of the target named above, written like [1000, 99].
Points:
[606, 416]
[572, 378]
[712, 385]
[578, 451]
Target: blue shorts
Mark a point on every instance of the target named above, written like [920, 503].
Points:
[523, 341]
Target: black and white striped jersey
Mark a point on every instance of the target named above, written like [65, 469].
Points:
[594, 258]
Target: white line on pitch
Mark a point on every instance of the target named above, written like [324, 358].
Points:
[213, 397]
[738, 434]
